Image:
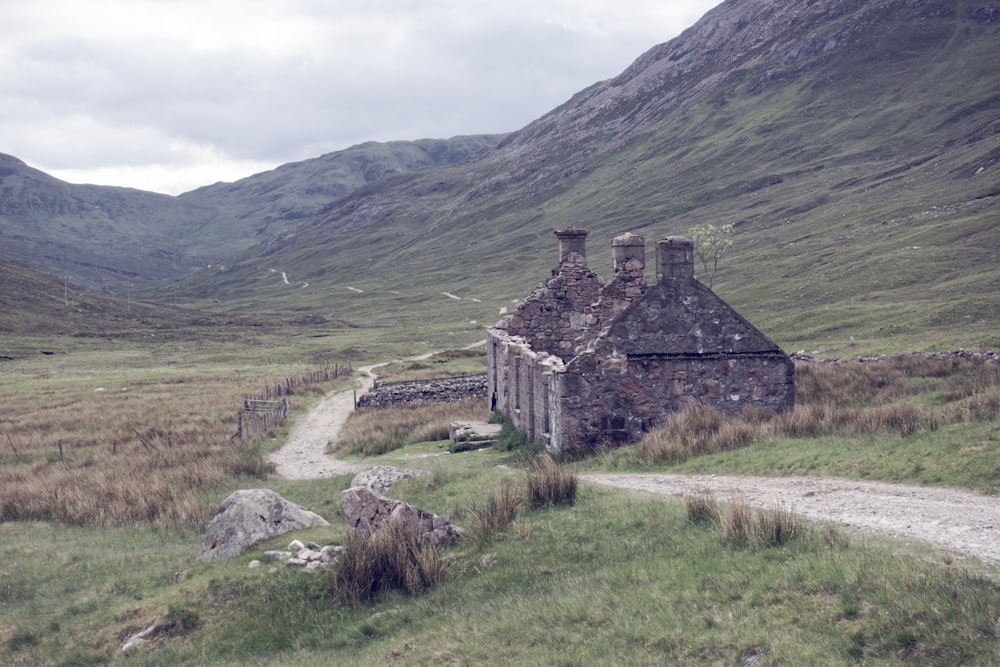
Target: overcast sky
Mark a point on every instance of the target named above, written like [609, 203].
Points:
[169, 95]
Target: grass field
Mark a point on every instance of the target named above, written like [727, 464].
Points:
[613, 577]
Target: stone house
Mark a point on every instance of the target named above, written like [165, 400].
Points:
[582, 363]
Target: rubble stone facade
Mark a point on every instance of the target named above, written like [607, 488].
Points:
[581, 363]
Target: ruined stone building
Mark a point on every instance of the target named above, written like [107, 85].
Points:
[583, 363]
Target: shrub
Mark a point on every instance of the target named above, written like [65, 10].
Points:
[394, 557]
[550, 484]
[512, 440]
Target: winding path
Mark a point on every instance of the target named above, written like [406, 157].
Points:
[304, 455]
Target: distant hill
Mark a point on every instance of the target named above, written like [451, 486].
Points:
[854, 145]
[108, 238]
[40, 312]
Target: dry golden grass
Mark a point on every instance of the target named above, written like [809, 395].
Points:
[395, 557]
[496, 513]
[739, 524]
[78, 449]
[549, 484]
[899, 395]
[375, 431]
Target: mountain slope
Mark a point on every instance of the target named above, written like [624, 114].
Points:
[108, 238]
[854, 145]
[276, 201]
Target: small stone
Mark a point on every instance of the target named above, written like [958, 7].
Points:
[313, 565]
[313, 546]
[328, 554]
[295, 562]
[308, 554]
[278, 555]
[296, 546]
[254, 564]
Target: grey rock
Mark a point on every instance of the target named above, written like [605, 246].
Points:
[251, 515]
[381, 478]
[367, 511]
[308, 555]
[328, 554]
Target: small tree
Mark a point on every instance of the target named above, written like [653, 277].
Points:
[710, 244]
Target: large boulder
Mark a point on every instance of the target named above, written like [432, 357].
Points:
[367, 511]
[249, 516]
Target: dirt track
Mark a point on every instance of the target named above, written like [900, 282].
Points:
[304, 455]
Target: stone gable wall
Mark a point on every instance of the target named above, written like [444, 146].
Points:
[561, 313]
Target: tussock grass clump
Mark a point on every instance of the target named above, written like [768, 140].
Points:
[393, 558]
[701, 510]
[550, 484]
[496, 513]
[700, 430]
[376, 431]
[740, 525]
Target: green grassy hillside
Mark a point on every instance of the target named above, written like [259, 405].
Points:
[854, 147]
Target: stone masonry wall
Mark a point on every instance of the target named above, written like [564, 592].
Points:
[520, 382]
[581, 363]
[446, 390]
[559, 315]
[611, 400]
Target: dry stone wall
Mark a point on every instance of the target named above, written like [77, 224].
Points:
[446, 390]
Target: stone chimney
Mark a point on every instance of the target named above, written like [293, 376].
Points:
[572, 240]
[628, 253]
[674, 258]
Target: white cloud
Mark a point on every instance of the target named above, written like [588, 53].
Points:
[161, 93]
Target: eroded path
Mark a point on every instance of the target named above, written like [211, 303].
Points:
[304, 455]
